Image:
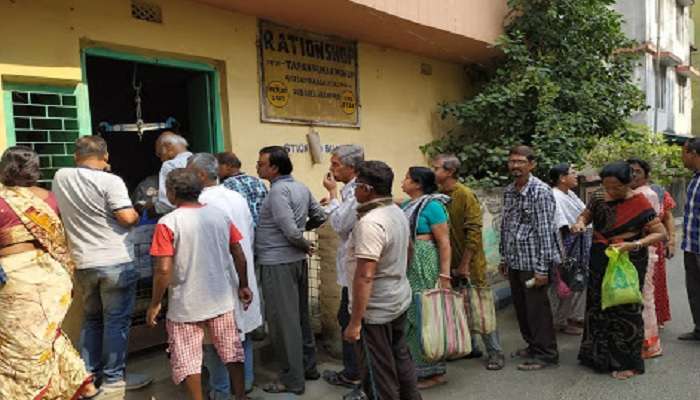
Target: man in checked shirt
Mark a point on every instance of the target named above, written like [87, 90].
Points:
[528, 251]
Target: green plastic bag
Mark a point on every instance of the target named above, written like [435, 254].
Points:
[621, 281]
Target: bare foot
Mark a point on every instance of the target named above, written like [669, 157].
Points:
[623, 375]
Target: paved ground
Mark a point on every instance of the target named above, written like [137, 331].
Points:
[676, 375]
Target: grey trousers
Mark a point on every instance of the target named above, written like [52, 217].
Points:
[563, 310]
[286, 291]
[692, 285]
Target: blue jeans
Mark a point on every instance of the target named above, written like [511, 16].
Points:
[491, 342]
[108, 294]
[218, 373]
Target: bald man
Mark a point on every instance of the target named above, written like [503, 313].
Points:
[171, 148]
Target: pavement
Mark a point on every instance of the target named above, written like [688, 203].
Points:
[675, 375]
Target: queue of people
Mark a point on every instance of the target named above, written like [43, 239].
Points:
[207, 212]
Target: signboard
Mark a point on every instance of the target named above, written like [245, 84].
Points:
[307, 78]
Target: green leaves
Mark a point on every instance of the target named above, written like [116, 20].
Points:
[640, 142]
[560, 87]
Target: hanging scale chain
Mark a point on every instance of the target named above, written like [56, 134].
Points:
[137, 100]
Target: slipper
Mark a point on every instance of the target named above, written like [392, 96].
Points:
[338, 379]
[356, 394]
[534, 365]
[431, 382]
[496, 362]
[279, 387]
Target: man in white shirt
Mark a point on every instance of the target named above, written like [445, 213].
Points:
[97, 215]
[342, 213]
[172, 151]
[236, 207]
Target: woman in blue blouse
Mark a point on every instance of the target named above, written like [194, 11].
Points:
[430, 262]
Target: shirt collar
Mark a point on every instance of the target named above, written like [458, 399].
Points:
[349, 188]
[282, 178]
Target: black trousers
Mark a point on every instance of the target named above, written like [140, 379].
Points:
[534, 315]
[692, 285]
[385, 362]
[350, 369]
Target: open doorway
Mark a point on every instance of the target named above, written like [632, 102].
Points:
[172, 94]
[167, 94]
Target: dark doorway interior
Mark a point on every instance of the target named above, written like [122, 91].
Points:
[166, 92]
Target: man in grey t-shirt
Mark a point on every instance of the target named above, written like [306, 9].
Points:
[380, 291]
[97, 214]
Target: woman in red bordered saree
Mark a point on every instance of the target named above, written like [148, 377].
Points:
[37, 361]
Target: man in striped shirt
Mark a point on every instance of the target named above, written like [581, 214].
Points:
[529, 250]
[691, 236]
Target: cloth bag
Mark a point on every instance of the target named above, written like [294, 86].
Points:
[480, 308]
[444, 330]
[621, 281]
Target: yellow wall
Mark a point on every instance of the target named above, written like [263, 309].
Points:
[40, 42]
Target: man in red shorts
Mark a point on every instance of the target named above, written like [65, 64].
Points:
[193, 246]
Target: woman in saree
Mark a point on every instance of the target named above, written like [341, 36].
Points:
[612, 338]
[37, 360]
[664, 250]
[430, 262]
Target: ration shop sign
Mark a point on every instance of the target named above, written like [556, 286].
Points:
[307, 78]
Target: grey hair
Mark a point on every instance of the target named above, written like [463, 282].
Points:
[206, 162]
[350, 155]
[173, 139]
[449, 162]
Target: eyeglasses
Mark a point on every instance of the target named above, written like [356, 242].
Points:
[517, 162]
[365, 186]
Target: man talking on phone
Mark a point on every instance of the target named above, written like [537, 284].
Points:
[341, 210]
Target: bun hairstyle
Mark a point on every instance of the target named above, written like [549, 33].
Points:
[425, 177]
[19, 166]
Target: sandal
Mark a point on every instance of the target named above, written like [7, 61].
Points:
[521, 353]
[496, 362]
[279, 387]
[534, 365]
[338, 379]
[431, 382]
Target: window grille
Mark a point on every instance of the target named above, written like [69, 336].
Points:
[146, 11]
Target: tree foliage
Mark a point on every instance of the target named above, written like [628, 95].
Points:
[561, 85]
[640, 142]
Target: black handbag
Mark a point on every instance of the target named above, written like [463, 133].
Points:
[574, 266]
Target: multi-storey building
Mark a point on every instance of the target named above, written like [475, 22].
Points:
[665, 33]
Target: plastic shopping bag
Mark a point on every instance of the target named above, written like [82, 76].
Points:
[444, 331]
[621, 281]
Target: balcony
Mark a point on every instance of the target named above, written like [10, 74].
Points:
[459, 31]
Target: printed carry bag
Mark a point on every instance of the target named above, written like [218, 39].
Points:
[444, 331]
[621, 281]
[480, 308]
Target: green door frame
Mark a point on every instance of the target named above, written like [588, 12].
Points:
[215, 95]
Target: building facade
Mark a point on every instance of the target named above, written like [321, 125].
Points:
[665, 33]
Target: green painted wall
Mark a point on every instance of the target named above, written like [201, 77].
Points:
[695, 57]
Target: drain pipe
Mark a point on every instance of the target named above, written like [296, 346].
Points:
[657, 64]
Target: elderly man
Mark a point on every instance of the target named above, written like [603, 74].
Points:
[281, 252]
[197, 248]
[97, 214]
[529, 250]
[172, 151]
[468, 258]
[231, 177]
[247, 319]
[381, 293]
[342, 214]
